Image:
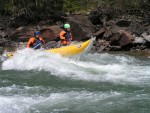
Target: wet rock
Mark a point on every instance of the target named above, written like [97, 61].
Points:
[108, 34]
[99, 34]
[95, 16]
[51, 44]
[2, 28]
[146, 36]
[140, 47]
[7, 33]
[143, 47]
[3, 34]
[101, 42]
[122, 38]
[101, 45]
[19, 29]
[5, 42]
[11, 44]
[22, 34]
[2, 42]
[138, 40]
[48, 33]
[81, 27]
[100, 23]
[126, 38]
[128, 24]
[93, 49]
[2, 50]
[115, 48]
[115, 39]
[127, 47]
[138, 20]
[136, 28]
[123, 23]
[112, 29]
[101, 48]
[148, 31]
[147, 44]
[51, 33]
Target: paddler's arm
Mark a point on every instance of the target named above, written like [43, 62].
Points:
[42, 41]
[31, 40]
[62, 33]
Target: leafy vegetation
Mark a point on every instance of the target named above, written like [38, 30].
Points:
[31, 11]
[35, 10]
[28, 7]
[130, 6]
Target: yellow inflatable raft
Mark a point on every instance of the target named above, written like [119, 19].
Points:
[67, 51]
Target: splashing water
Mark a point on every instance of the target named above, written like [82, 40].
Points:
[103, 67]
[40, 82]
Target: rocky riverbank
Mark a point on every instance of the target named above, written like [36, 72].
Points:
[113, 33]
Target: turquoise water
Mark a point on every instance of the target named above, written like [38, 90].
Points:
[38, 82]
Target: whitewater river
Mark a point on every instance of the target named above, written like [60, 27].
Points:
[38, 82]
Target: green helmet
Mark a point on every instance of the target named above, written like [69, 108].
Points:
[66, 26]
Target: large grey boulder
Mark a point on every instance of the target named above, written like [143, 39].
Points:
[139, 40]
[146, 36]
[81, 27]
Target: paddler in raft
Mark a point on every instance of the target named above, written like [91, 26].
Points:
[35, 42]
[65, 35]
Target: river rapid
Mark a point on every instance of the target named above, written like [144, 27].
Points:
[39, 82]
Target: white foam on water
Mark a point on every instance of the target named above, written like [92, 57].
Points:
[23, 90]
[15, 104]
[79, 101]
[93, 67]
[54, 102]
[25, 102]
[18, 99]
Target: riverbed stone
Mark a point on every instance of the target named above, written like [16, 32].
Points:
[138, 40]
[100, 32]
[115, 48]
[81, 27]
[146, 36]
[22, 34]
[2, 34]
[126, 38]
[115, 39]
[51, 33]
[123, 23]
[51, 44]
